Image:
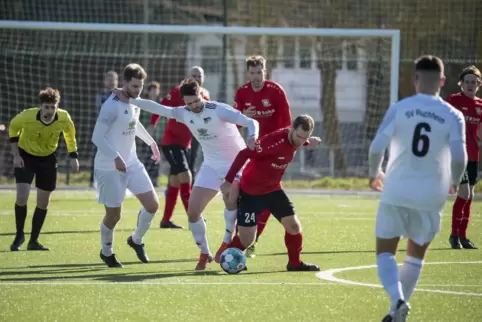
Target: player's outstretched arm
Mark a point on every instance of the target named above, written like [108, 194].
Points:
[14, 129]
[107, 116]
[142, 134]
[228, 114]
[156, 108]
[69, 136]
[379, 145]
[458, 149]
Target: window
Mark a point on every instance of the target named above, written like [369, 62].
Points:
[211, 58]
[306, 47]
[289, 52]
[351, 54]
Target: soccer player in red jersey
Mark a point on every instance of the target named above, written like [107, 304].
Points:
[260, 187]
[471, 106]
[266, 102]
[175, 146]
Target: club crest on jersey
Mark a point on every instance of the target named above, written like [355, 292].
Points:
[202, 132]
[132, 124]
[266, 102]
[207, 120]
[478, 110]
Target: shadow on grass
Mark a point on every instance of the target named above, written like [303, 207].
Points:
[346, 252]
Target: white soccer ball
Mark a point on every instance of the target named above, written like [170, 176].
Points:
[233, 261]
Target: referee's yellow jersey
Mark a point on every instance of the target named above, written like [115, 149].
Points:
[39, 139]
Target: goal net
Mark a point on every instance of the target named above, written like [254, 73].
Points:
[344, 78]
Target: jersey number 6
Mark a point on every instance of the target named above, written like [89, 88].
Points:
[420, 141]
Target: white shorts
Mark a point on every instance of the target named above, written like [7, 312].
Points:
[112, 184]
[208, 177]
[395, 221]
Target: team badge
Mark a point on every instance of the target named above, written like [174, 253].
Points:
[266, 102]
[477, 110]
[132, 124]
[207, 120]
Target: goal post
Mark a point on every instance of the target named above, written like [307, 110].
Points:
[393, 34]
[75, 56]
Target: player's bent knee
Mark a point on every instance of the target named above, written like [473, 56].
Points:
[184, 177]
[43, 198]
[464, 191]
[291, 224]
[247, 235]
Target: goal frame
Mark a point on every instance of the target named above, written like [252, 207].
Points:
[394, 34]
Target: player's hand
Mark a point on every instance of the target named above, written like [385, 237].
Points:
[250, 111]
[121, 95]
[377, 182]
[18, 161]
[251, 143]
[313, 142]
[225, 187]
[453, 189]
[156, 155]
[74, 165]
[120, 165]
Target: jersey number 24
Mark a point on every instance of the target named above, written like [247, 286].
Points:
[420, 140]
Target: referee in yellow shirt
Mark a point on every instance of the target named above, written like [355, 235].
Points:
[34, 136]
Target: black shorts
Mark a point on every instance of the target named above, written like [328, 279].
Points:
[471, 173]
[177, 156]
[44, 169]
[250, 206]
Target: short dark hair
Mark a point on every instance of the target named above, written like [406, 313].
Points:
[189, 87]
[255, 60]
[429, 63]
[153, 85]
[49, 96]
[304, 121]
[133, 71]
[471, 70]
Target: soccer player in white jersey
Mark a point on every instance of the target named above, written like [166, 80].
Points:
[427, 138]
[213, 124]
[118, 168]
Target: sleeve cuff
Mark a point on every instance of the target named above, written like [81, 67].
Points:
[74, 155]
[14, 139]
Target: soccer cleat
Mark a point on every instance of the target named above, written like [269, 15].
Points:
[141, 254]
[467, 244]
[170, 224]
[204, 260]
[17, 242]
[387, 318]
[455, 242]
[401, 312]
[111, 261]
[35, 245]
[222, 248]
[303, 267]
[251, 251]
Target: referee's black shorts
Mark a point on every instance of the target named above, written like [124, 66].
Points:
[43, 168]
[177, 156]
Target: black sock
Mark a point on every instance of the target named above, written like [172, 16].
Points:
[37, 223]
[20, 216]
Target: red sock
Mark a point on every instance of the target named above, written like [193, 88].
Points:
[457, 214]
[294, 244]
[171, 199]
[185, 194]
[262, 221]
[464, 223]
[236, 243]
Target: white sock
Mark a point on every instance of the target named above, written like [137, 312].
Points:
[410, 274]
[106, 239]
[230, 217]
[144, 221]
[388, 275]
[198, 230]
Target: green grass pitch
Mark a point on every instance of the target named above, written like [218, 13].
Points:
[70, 283]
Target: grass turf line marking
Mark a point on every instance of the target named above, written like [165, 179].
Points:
[328, 275]
[57, 283]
